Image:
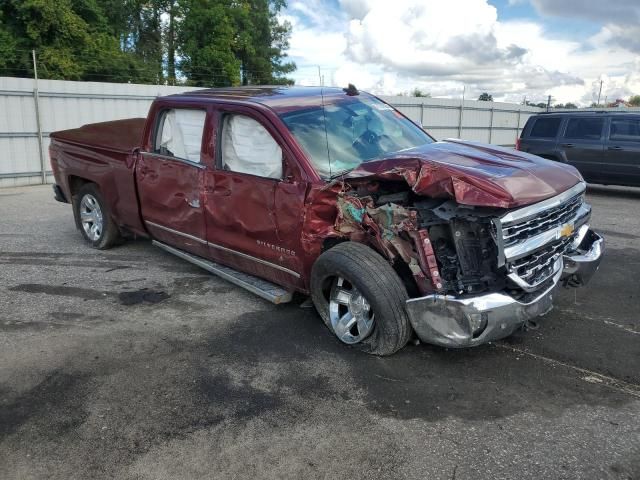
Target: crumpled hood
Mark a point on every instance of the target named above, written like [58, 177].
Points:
[473, 173]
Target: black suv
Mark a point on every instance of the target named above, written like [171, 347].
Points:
[603, 146]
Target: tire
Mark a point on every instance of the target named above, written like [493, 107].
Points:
[89, 205]
[365, 272]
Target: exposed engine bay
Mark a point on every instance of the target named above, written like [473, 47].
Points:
[448, 248]
[445, 247]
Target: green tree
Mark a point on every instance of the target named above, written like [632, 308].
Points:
[570, 105]
[485, 97]
[207, 38]
[146, 30]
[416, 92]
[198, 42]
[8, 47]
[261, 42]
[634, 101]
[170, 39]
[72, 39]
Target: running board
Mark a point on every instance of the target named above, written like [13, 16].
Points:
[267, 290]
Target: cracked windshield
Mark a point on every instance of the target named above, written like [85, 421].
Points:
[350, 131]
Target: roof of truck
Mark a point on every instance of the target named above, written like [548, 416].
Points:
[277, 97]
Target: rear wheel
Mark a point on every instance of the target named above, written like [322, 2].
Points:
[361, 299]
[93, 218]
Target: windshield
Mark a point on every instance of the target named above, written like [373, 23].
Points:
[350, 131]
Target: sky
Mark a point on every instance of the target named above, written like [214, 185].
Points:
[511, 49]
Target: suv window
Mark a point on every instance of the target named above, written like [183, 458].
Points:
[180, 134]
[584, 128]
[545, 127]
[247, 147]
[625, 130]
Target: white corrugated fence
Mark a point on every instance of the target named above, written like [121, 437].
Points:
[27, 116]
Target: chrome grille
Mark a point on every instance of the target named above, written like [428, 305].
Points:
[540, 265]
[554, 217]
[533, 239]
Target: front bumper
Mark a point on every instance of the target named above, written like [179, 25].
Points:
[580, 266]
[455, 322]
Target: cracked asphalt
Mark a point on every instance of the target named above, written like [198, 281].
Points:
[133, 364]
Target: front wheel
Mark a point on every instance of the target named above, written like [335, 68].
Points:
[361, 299]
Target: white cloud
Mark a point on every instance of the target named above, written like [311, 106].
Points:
[615, 11]
[421, 38]
[389, 47]
[621, 18]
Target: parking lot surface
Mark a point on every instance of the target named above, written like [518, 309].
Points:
[133, 364]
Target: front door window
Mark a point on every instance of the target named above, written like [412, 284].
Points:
[247, 147]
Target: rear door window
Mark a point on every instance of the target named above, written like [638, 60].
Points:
[545, 127]
[625, 130]
[179, 134]
[584, 128]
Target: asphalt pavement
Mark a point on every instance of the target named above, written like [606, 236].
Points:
[133, 364]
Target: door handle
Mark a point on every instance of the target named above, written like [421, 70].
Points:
[568, 145]
[617, 147]
[195, 203]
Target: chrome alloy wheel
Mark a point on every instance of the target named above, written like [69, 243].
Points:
[91, 217]
[350, 313]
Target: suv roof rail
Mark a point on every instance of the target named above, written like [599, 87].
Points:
[573, 112]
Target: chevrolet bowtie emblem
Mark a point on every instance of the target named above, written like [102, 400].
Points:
[566, 230]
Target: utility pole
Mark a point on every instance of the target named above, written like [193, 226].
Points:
[548, 102]
[600, 93]
[36, 99]
[319, 76]
[464, 89]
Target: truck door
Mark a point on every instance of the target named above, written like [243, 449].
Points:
[170, 179]
[622, 154]
[255, 199]
[583, 145]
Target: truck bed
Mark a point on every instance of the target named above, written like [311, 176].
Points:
[102, 153]
[119, 135]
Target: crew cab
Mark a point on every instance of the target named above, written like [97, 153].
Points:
[334, 194]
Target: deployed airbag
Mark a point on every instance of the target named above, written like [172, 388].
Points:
[247, 147]
[182, 133]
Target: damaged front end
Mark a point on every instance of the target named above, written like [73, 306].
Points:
[474, 274]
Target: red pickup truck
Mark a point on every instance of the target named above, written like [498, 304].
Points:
[335, 194]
